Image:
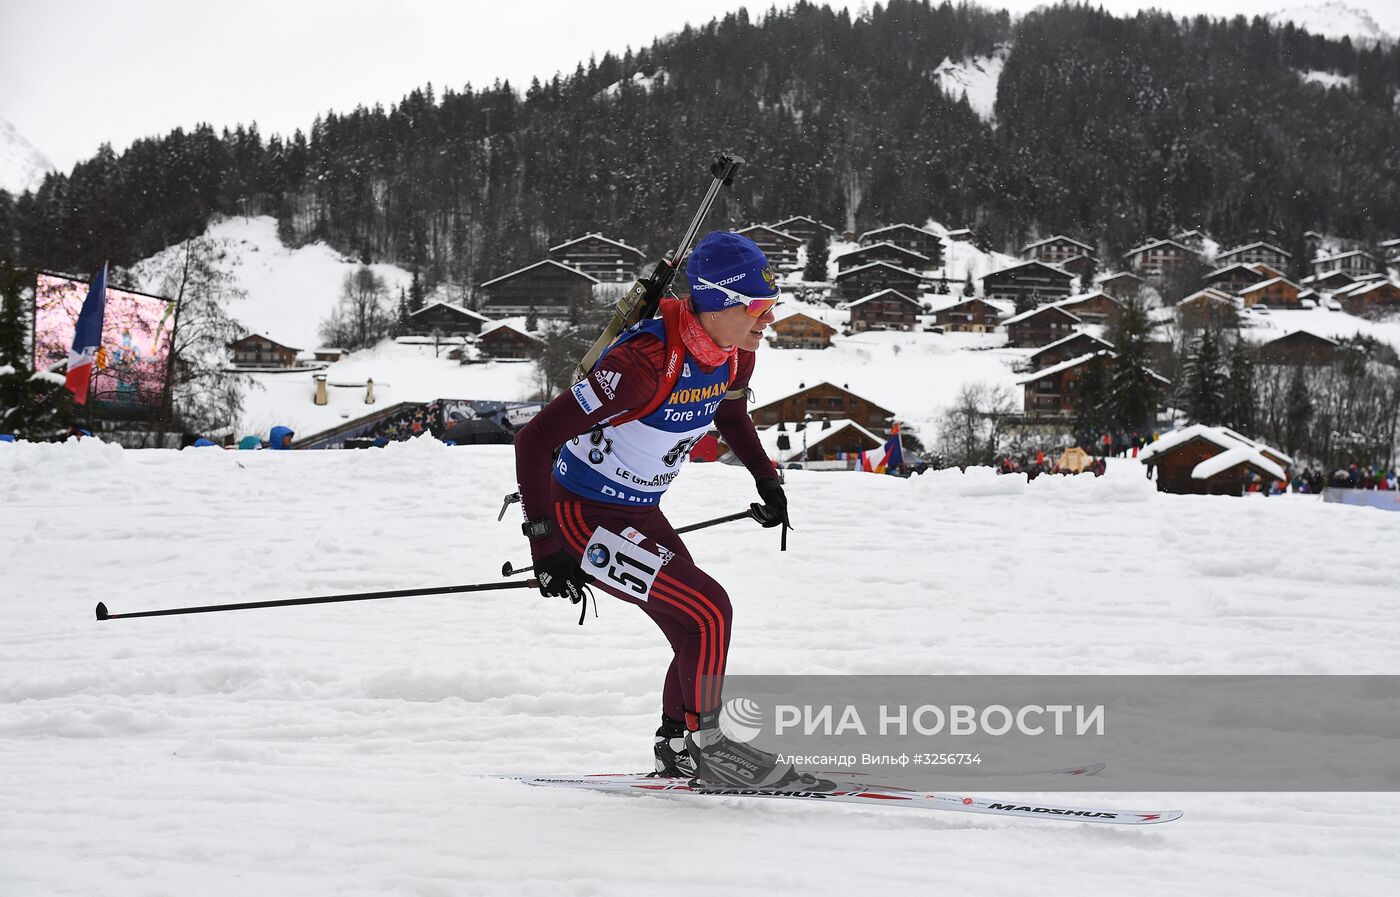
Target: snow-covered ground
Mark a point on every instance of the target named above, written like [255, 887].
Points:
[1334, 20]
[22, 166]
[330, 749]
[976, 79]
[289, 291]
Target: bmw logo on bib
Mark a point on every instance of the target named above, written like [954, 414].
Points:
[598, 555]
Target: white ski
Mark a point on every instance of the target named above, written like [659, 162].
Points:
[851, 792]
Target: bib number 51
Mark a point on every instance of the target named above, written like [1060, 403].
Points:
[630, 568]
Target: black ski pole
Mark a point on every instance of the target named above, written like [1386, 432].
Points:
[753, 512]
[103, 614]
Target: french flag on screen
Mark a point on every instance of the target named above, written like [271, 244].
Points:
[87, 337]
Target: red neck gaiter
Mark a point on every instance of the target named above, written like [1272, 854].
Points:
[699, 343]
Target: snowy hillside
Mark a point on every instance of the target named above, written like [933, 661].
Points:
[289, 290]
[1333, 20]
[22, 166]
[330, 750]
[974, 78]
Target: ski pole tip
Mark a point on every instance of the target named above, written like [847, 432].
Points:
[101, 611]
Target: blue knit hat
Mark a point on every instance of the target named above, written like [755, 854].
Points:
[732, 261]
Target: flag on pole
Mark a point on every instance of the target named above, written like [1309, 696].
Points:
[87, 338]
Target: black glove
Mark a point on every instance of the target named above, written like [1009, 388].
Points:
[775, 508]
[560, 576]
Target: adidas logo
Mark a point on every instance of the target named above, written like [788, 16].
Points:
[608, 380]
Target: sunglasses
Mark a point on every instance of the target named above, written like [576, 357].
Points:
[756, 308]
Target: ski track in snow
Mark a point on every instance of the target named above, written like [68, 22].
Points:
[331, 749]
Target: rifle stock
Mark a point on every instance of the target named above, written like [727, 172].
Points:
[640, 302]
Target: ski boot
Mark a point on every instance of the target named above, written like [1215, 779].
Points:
[720, 760]
[672, 754]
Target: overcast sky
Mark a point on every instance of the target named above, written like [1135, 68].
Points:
[75, 73]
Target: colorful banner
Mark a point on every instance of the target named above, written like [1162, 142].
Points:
[131, 362]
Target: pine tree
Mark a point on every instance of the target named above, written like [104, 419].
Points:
[402, 322]
[1203, 386]
[1298, 411]
[1090, 398]
[1133, 390]
[1241, 397]
[817, 253]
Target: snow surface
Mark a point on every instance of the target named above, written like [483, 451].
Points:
[1328, 79]
[976, 79]
[1333, 20]
[290, 291]
[22, 166]
[330, 750]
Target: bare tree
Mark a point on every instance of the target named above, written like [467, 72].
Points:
[973, 429]
[563, 346]
[362, 317]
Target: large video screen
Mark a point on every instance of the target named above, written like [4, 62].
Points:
[129, 373]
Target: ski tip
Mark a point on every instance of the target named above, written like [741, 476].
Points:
[102, 611]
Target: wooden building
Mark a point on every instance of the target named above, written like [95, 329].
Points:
[1208, 306]
[1233, 278]
[1257, 252]
[1094, 307]
[1369, 297]
[506, 341]
[884, 310]
[804, 228]
[801, 331]
[1066, 347]
[961, 235]
[821, 441]
[1040, 326]
[445, 319]
[854, 283]
[548, 288]
[824, 400]
[883, 252]
[1033, 282]
[1081, 266]
[781, 248]
[968, 316]
[610, 261]
[1201, 460]
[1195, 240]
[256, 350]
[1298, 347]
[1329, 282]
[1278, 292]
[1356, 263]
[1056, 249]
[1159, 257]
[1120, 285]
[907, 236]
[1050, 392]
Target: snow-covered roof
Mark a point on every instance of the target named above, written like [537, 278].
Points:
[263, 335]
[617, 243]
[1078, 334]
[849, 271]
[1256, 244]
[1307, 333]
[508, 324]
[1078, 360]
[816, 431]
[881, 230]
[1222, 271]
[887, 245]
[879, 293]
[1033, 262]
[1029, 246]
[1104, 278]
[1212, 294]
[572, 270]
[455, 308]
[1040, 310]
[772, 230]
[805, 218]
[1342, 255]
[1362, 287]
[1391, 244]
[1232, 457]
[1155, 243]
[1223, 437]
[1263, 284]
